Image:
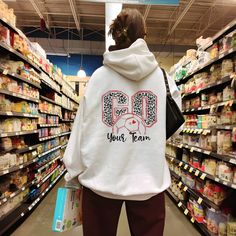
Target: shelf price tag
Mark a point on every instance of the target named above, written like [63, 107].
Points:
[180, 164]
[197, 172]
[185, 188]
[192, 220]
[186, 211]
[192, 149]
[181, 145]
[203, 176]
[190, 169]
[199, 201]
[180, 184]
[5, 72]
[207, 152]
[180, 204]
[217, 179]
[186, 166]
[172, 159]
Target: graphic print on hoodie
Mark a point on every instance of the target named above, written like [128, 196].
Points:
[129, 118]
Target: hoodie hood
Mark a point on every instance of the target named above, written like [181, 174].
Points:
[134, 63]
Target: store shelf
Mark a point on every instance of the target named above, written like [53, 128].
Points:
[11, 113]
[46, 164]
[181, 205]
[19, 55]
[217, 36]
[209, 63]
[18, 95]
[70, 97]
[26, 149]
[210, 86]
[228, 158]
[65, 108]
[65, 120]
[14, 168]
[49, 151]
[48, 137]
[51, 87]
[49, 100]
[196, 131]
[25, 209]
[65, 133]
[226, 127]
[18, 77]
[8, 25]
[64, 146]
[202, 175]
[219, 104]
[196, 195]
[10, 134]
[48, 125]
[47, 176]
[48, 113]
[6, 199]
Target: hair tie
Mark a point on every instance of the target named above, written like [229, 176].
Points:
[124, 31]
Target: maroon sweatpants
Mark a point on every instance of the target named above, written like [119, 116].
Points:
[101, 215]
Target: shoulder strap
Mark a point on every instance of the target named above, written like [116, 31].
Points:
[166, 82]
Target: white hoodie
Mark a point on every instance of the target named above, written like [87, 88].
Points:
[117, 145]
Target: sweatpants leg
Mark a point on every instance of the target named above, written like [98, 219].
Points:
[146, 218]
[100, 215]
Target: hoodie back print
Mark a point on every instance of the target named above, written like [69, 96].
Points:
[117, 145]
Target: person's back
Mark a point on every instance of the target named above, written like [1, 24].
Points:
[117, 146]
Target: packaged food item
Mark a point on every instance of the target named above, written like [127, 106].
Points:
[212, 221]
[209, 166]
[227, 67]
[225, 171]
[198, 212]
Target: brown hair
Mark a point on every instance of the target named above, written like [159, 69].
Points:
[128, 26]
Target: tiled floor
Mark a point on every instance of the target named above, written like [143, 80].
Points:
[40, 221]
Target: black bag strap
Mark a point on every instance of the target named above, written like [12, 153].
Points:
[166, 82]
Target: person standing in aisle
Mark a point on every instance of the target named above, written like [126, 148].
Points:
[117, 146]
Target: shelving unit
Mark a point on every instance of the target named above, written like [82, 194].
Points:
[192, 149]
[42, 153]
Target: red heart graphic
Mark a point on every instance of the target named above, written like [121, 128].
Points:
[133, 122]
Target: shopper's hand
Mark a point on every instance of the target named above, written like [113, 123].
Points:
[73, 183]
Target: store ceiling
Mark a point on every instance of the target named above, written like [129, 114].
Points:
[167, 25]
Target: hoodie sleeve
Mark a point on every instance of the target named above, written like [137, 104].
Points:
[72, 157]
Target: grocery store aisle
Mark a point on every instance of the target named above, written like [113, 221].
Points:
[40, 221]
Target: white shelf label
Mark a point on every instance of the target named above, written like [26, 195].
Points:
[22, 214]
[191, 169]
[9, 113]
[186, 166]
[217, 179]
[21, 166]
[4, 200]
[203, 176]
[199, 201]
[207, 152]
[192, 220]
[225, 183]
[197, 172]
[23, 189]
[180, 204]
[192, 149]
[180, 164]
[232, 160]
[5, 172]
[186, 211]
[5, 72]
[233, 186]
[180, 184]
[185, 188]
